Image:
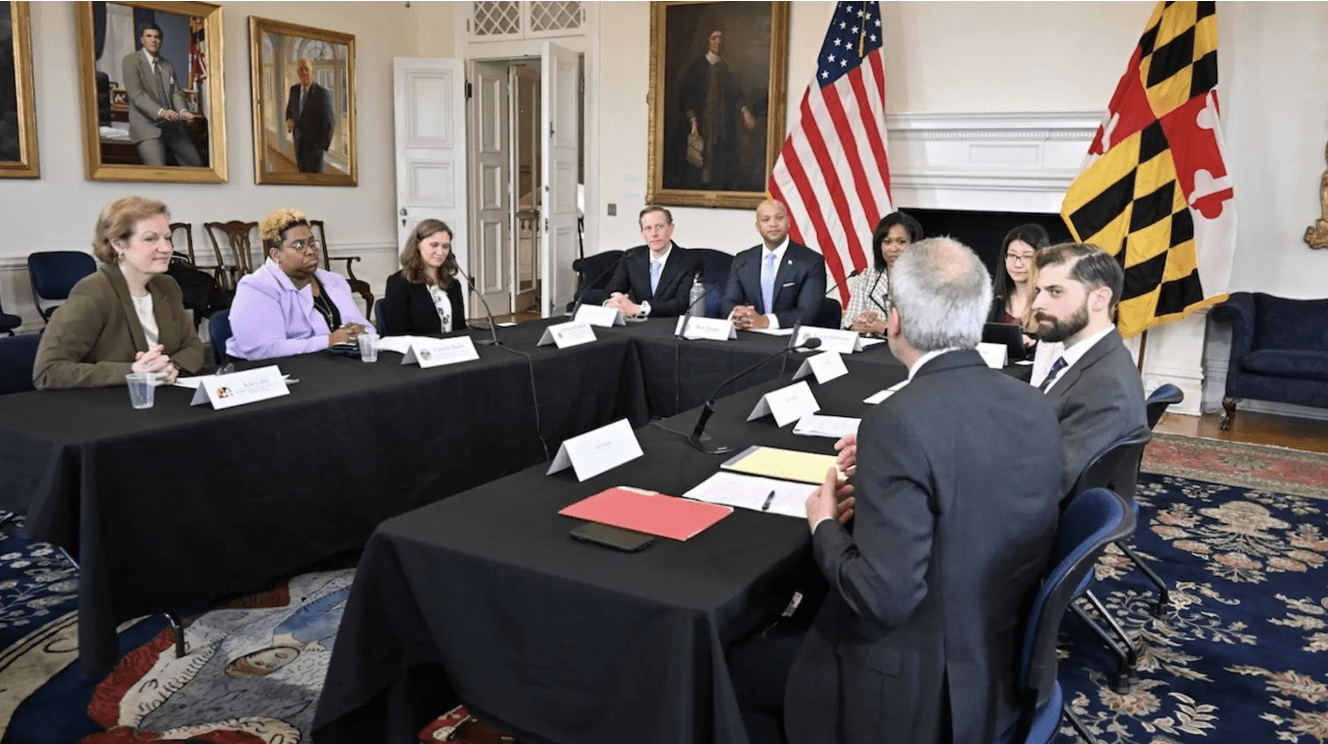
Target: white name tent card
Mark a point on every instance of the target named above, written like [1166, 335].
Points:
[826, 366]
[872, 400]
[598, 315]
[844, 342]
[597, 451]
[714, 329]
[787, 404]
[239, 388]
[435, 352]
[995, 355]
[563, 335]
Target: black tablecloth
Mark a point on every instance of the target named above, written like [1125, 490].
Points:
[174, 506]
[484, 598]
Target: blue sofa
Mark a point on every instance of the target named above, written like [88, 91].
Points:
[1279, 350]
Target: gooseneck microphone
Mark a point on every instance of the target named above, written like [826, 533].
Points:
[593, 282]
[493, 325]
[709, 409]
[840, 283]
[687, 314]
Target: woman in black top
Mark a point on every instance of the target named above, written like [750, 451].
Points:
[424, 298]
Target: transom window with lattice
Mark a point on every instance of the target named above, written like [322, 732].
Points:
[493, 19]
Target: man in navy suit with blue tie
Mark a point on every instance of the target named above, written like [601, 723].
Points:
[652, 280]
[776, 284]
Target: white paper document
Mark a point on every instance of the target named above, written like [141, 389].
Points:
[597, 451]
[399, 344]
[872, 400]
[773, 331]
[995, 355]
[753, 492]
[567, 334]
[826, 366]
[598, 315]
[787, 404]
[834, 427]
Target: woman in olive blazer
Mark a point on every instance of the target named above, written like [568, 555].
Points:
[127, 316]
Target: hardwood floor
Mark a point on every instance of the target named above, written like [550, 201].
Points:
[1252, 428]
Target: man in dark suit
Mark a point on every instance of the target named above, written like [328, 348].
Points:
[778, 283]
[1097, 390]
[954, 509]
[156, 105]
[652, 280]
[309, 119]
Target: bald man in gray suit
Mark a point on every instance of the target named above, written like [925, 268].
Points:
[156, 107]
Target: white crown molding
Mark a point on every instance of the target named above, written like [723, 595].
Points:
[1013, 126]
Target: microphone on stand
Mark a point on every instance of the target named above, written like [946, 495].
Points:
[687, 314]
[709, 409]
[593, 282]
[493, 325]
[840, 283]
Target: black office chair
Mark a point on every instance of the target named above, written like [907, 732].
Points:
[715, 268]
[17, 355]
[1162, 399]
[219, 329]
[831, 314]
[592, 276]
[1117, 468]
[1091, 521]
[9, 322]
[54, 273]
[380, 322]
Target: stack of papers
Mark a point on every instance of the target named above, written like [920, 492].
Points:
[834, 427]
[752, 492]
[886, 393]
[806, 467]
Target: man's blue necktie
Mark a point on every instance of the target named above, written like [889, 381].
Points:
[655, 268]
[1056, 368]
[768, 283]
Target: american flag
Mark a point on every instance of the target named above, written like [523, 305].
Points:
[833, 173]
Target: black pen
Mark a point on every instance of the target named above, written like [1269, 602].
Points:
[768, 499]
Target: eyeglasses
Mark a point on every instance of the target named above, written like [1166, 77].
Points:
[303, 246]
[1016, 258]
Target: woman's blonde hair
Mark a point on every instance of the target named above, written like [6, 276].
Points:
[117, 221]
[276, 224]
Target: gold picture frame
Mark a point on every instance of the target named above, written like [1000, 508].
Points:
[737, 102]
[119, 122]
[309, 141]
[18, 118]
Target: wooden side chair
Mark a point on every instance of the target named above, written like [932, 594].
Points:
[188, 230]
[238, 237]
[357, 285]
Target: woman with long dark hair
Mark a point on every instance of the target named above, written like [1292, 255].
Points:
[424, 298]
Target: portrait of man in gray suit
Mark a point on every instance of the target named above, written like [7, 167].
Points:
[157, 110]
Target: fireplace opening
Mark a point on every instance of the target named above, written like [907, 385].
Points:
[984, 231]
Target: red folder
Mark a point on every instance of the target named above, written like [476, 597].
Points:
[649, 512]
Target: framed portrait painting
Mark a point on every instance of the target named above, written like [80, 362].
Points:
[18, 120]
[717, 96]
[303, 82]
[154, 104]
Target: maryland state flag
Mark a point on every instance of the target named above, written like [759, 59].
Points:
[1155, 192]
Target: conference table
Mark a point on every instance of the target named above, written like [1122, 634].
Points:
[484, 599]
[174, 507]
[170, 508]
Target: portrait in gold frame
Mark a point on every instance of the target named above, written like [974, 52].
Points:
[109, 35]
[715, 128]
[304, 130]
[18, 119]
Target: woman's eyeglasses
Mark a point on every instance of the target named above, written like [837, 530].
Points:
[1016, 258]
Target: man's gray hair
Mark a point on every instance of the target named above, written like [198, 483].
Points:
[943, 293]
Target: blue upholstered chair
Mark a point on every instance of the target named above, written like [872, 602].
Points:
[219, 329]
[54, 273]
[592, 276]
[1161, 399]
[9, 322]
[1279, 350]
[17, 354]
[1091, 521]
[379, 321]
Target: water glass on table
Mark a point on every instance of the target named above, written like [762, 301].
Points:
[368, 347]
[142, 388]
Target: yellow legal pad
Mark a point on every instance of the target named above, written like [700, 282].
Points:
[772, 462]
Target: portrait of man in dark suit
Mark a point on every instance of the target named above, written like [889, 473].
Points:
[309, 120]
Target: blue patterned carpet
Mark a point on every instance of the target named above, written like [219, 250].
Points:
[1240, 655]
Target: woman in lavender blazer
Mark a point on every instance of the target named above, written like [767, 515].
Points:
[289, 305]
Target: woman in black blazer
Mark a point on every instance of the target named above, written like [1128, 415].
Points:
[424, 298]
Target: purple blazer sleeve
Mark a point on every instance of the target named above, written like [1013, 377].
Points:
[270, 318]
